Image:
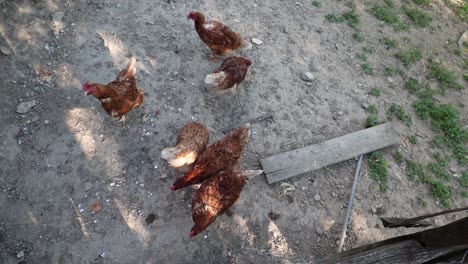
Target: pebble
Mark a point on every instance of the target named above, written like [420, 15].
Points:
[163, 176]
[374, 210]
[68, 97]
[256, 41]
[304, 188]
[365, 105]
[57, 17]
[390, 79]
[88, 186]
[20, 255]
[237, 20]
[24, 107]
[5, 50]
[317, 197]
[46, 122]
[340, 113]
[307, 76]
[453, 169]
[319, 231]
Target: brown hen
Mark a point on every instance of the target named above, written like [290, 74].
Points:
[218, 37]
[216, 195]
[229, 75]
[120, 96]
[191, 142]
[222, 155]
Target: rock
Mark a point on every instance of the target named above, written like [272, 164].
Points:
[68, 98]
[46, 122]
[87, 186]
[340, 113]
[390, 79]
[6, 51]
[317, 197]
[374, 210]
[304, 188]
[307, 76]
[365, 105]
[237, 20]
[453, 169]
[319, 231]
[455, 175]
[163, 176]
[57, 17]
[20, 255]
[25, 106]
[462, 39]
[256, 41]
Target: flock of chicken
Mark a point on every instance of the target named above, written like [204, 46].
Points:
[216, 167]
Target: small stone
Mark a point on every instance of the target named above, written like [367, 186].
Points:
[68, 97]
[304, 188]
[340, 113]
[163, 176]
[296, 242]
[319, 231]
[25, 106]
[334, 194]
[256, 41]
[46, 122]
[317, 197]
[453, 169]
[365, 105]
[57, 17]
[87, 186]
[307, 76]
[390, 79]
[374, 210]
[237, 20]
[20, 255]
[5, 50]
[455, 175]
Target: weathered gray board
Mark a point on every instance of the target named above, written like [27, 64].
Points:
[299, 161]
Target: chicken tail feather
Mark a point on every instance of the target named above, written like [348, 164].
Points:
[178, 157]
[215, 79]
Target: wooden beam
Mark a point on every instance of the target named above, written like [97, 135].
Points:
[299, 161]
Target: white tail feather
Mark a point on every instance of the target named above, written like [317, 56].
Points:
[173, 157]
[131, 66]
[215, 79]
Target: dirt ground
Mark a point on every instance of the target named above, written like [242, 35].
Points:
[64, 155]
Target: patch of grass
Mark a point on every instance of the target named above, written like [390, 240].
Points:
[392, 71]
[461, 8]
[438, 142]
[409, 56]
[464, 193]
[425, 104]
[416, 172]
[465, 64]
[422, 2]
[397, 111]
[458, 52]
[369, 50]
[367, 69]
[464, 179]
[385, 14]
[465, 76]
[375, 92]
[418, 17]
[357, 36]
[446, 78]
[413, 139]
[399, 157]
[413, 85]
[389, 3]
[378, 169]
[390, 43]
[333, 18]
[372, 109]
[421, 201]
[361, 56]
[352, 17]
[316, 4]
[442, 192]
[439, 168]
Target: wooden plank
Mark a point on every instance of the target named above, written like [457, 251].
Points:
[299, 161]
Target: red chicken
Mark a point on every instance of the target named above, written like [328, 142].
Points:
[229, 75]
[191, 141]
[219, 38]
[120, 96]
[222, 155]
[216, 195]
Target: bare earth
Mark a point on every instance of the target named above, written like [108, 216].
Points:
[65, 154]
